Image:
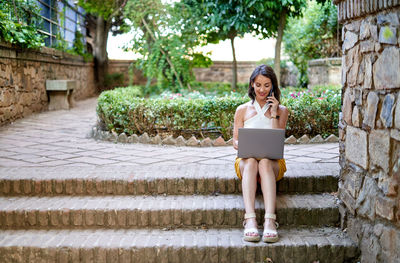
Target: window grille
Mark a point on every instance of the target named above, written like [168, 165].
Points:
[62, 19]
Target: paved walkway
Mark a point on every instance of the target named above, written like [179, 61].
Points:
[59, 138]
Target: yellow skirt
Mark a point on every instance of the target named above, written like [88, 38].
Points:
[281, 163]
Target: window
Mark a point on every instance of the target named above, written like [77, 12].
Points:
[62, 19]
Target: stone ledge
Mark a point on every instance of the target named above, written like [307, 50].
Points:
[325, 62]
[44, 54]
[165, 211]
[181, 245]
[150, 180]
[97, 134]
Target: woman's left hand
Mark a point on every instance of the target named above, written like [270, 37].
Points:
[274, 104]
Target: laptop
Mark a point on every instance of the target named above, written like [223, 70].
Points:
[261, 143]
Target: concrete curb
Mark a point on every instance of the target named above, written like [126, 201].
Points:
[102, 135]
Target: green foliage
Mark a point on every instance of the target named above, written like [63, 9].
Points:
[270, 62]
[221, 19]
[267, 13]
[209, 89]
[165, 38]
[123, 110]
[105, 8]
[114, 80]
[78, 47]
[111, 11]
[311, 36]
[316, 91]
[313, 115]
[19, 23]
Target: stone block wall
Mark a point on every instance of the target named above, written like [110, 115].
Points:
[123, 66]
[23, 75]
[369, 127]
[220, 71]
[324, 71]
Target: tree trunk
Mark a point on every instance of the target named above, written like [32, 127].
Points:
[234, 65]
[277, 61]
[100, 52]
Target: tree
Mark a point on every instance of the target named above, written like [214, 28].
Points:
[165, 37]
[271, 17]
[108, 16]
[225, 19]
[312, 36]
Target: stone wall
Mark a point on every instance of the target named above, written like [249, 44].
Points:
[324, 71]
[124, 67]
[369, 127]
[23, 75]
[220, 71]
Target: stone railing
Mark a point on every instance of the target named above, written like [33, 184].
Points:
[369, 130]
[23, 75]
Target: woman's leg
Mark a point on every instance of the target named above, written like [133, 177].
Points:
[269, 170]
[249, 170]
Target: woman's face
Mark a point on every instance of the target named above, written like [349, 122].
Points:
[262, 86]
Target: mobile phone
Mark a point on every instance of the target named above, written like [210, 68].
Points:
[269, 95]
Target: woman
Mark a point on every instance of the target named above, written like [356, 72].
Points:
[263, 111]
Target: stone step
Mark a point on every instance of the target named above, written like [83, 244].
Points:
[159, 211]
[180, 245]
[171, 180]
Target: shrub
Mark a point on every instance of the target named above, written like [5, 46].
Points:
[311, 114]
[206, 88]
[113, 80]
[122, 110]
[314, 35]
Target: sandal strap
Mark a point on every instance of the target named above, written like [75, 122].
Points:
[269, 231]
[250, 230]
[270, 216]
[249, 215]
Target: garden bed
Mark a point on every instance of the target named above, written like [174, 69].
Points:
[123, 110]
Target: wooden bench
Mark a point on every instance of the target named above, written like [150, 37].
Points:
[60, 93]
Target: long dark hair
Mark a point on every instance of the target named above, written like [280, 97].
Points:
[268, 72]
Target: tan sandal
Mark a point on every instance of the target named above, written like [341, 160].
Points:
[247, 231]
[269, 232]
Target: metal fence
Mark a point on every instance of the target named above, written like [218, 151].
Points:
[62, 20]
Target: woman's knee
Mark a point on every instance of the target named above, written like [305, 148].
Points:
[265, 163]
[251, 164]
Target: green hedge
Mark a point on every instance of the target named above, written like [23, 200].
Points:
[123, 110]
[206, 88]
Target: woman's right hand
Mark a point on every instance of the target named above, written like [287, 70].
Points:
[235, 144]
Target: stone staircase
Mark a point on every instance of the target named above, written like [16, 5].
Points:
[189, 213]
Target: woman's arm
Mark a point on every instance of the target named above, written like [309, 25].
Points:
[279, 120]
[238, 123]
[278, 113]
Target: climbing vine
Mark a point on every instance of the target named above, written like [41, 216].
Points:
[19, 21]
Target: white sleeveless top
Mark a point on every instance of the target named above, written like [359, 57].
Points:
[259, 121]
